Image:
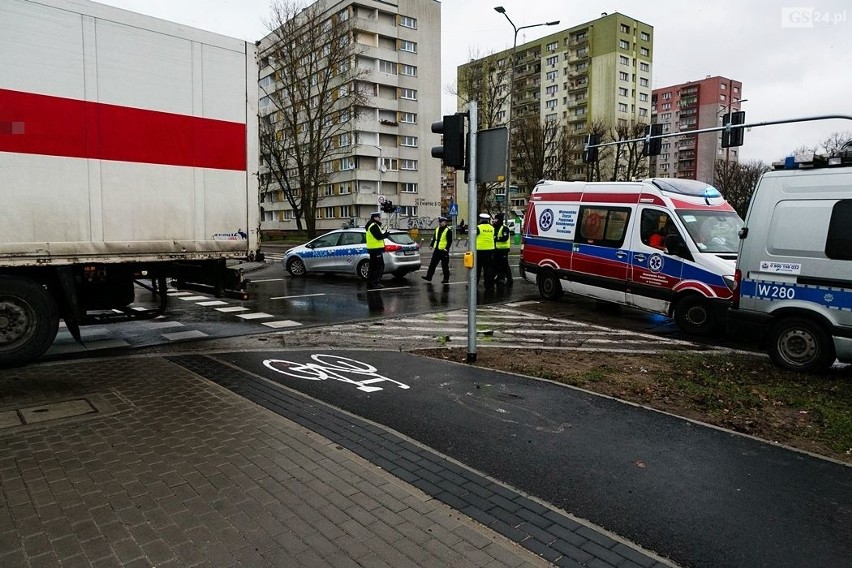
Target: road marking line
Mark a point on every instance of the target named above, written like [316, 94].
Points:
[184, 335]
[231, 309]
[194, 298]
[212, 303]
[301, 296]
[160, 325]
[255, 315]
[281, 323]
[267, 280]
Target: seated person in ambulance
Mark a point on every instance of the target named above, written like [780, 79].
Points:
[654, 229]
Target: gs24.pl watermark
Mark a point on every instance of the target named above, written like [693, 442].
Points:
[810, 17]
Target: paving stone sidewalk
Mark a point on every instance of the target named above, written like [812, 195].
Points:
[147, 464]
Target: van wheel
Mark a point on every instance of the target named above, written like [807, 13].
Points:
[29, 320]
[799, 344]
[549, 285]
[363, 269]
[694, 316]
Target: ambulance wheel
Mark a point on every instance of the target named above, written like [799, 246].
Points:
[549, 285]
[799, 344]
[29, 320]
[694, 316]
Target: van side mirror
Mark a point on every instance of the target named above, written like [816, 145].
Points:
[675, 245]
[743, 234]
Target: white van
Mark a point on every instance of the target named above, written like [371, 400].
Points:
[665, 245]
[794, 275]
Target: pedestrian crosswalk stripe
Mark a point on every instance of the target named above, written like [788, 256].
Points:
[192, 334]
[255, 315]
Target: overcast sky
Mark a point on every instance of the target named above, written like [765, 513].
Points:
[793, 61]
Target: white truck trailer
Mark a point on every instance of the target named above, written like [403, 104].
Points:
[128, 152]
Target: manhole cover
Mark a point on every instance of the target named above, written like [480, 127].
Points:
[56, 410]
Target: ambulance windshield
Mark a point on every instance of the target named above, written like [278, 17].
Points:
[713, 231]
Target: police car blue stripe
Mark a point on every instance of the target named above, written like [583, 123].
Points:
[830, 297]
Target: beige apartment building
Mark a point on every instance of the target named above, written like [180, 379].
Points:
[386, 151]
[598, 71]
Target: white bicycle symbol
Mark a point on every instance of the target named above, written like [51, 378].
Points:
[332, 367]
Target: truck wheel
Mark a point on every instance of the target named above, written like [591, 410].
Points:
[29, 320]
[799, 344]
[296, 267]
[549, 285]
[363, 269]
[694, 316]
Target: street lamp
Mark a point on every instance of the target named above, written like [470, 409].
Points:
[502, 10]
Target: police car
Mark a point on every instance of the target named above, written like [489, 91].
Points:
[345, 251]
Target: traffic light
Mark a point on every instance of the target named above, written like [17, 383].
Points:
[387, 206]
[452, 151]
[733, 135]
[590, 155]
[653, 145]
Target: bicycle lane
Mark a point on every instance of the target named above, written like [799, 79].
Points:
[694, 494]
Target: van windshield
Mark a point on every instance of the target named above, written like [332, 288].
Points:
[713, 231]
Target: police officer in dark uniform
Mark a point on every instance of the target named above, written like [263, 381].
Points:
[376, 236]
[502, 244]
[442, 240]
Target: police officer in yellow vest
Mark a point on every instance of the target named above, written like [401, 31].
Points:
[441, 241]
[502, 271]
[376, 236]
[485, 250]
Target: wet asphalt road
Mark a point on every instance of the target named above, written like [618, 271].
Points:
[697, 495]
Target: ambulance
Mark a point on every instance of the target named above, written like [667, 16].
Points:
[794, 271]
[664, 245]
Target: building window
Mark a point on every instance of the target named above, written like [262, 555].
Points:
[644, 51]
[644, 67]
[552, 46]
[643, 81]
[622, 107]
[623, 76]
[624, 60]
[667, 95]
[408, 187]
[345, 189]
[408, 117]
[387, 66]
[643, 97]
[409, 141]
[328, 213]
[408, 211]
[645, 36]
[408, 165]
[625, 29]
[622, 91]
[347, 163]
[409, 70]
[390, 164]
[408, 94]
[409, 46]
[623, 44]
[666, 106]
[344, 140]
[552, 60]
[552, 89]
[408, 22]
[551, 75]
[550, 104]
[643, 112]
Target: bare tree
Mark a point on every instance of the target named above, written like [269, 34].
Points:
[628, 162]
[485, 81]
[737, 181]
[309, 102]
[543, 150]
[595, 170]
[835, 142]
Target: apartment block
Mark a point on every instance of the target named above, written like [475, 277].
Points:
[693, 106]
[596, 72]
[385, 152]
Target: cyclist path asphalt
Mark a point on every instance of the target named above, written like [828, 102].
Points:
[323, 457]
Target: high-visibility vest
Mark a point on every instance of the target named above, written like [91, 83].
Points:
[441, 242]
[373, 242]
[503, 230]
[485, 236]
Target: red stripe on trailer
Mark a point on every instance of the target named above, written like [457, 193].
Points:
[58, 126]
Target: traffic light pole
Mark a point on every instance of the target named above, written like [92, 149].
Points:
[728, 127]
[472, 216]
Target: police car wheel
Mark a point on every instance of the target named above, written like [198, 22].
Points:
[694, 316]
[296, 267]
[549, 285]
[799, 344]
[363, 269]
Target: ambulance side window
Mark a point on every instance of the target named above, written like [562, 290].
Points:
[603, 226]
[838, 245]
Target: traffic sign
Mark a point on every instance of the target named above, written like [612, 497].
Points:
[454, 210]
